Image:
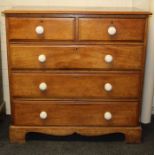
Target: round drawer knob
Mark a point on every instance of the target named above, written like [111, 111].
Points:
[107, 115]
[43, 115]
[43, 86]
[39, 29]
[112, 30]
[42, 58]
[108, 87]
[108, 58]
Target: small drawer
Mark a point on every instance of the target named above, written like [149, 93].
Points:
[76, 85]
[111, 29]
[76, 57]
[75, 113]
[41, 28]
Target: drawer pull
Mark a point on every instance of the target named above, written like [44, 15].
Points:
[108, 58]
[42, 58]
[43, 86]
[107, 87]
[107, 115]
[112, 30]
[39, 29]
[43, 115]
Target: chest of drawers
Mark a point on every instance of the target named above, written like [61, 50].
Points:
[76, 71]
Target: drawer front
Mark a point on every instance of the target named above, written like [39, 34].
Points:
[41, 28]
[73, 113]
[76, 57]
[119, 29]
[70, 85]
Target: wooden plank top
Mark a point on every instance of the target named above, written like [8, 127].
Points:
[77, 10]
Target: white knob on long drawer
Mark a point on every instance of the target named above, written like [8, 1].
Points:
[107, 115]
[39, 29]
[108, 87]
[42, 58]
[108, 58]
[43, 115]
[112, 30]
[43, 86]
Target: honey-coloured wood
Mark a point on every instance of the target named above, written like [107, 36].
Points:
[97, 29]
[75, 113]
[18, 133]
[54, 28]
[77, 57]
[76, 85]
[76, 71]
[41, 10]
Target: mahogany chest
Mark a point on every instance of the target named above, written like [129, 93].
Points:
[76, 71]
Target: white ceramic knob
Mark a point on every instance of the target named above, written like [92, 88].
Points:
[42, 58]
[39, 29]
[108, 58]
[108, 87]
[107, 115]
[43, 115]
[112, 30]
[43, 86]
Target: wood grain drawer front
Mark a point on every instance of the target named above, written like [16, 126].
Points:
[41, 28]
[76, 57]
[75, 114]
[125, 29]
[69, 85]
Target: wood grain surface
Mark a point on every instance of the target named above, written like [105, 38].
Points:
[54, 28]
[74, 85]
[75, 113]
[78, 57]
[97, 29]
[75, 43]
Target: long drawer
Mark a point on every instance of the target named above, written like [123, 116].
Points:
[117, 29]
[76, 85]
[73, 113]
[41, 28]
[76, 57]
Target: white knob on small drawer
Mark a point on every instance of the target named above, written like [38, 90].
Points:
[108, 87]
[42, 58]
[107, 115]
[39, 29]
[112, 30]
[108, 58]
[43, 86]
[43, 115]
